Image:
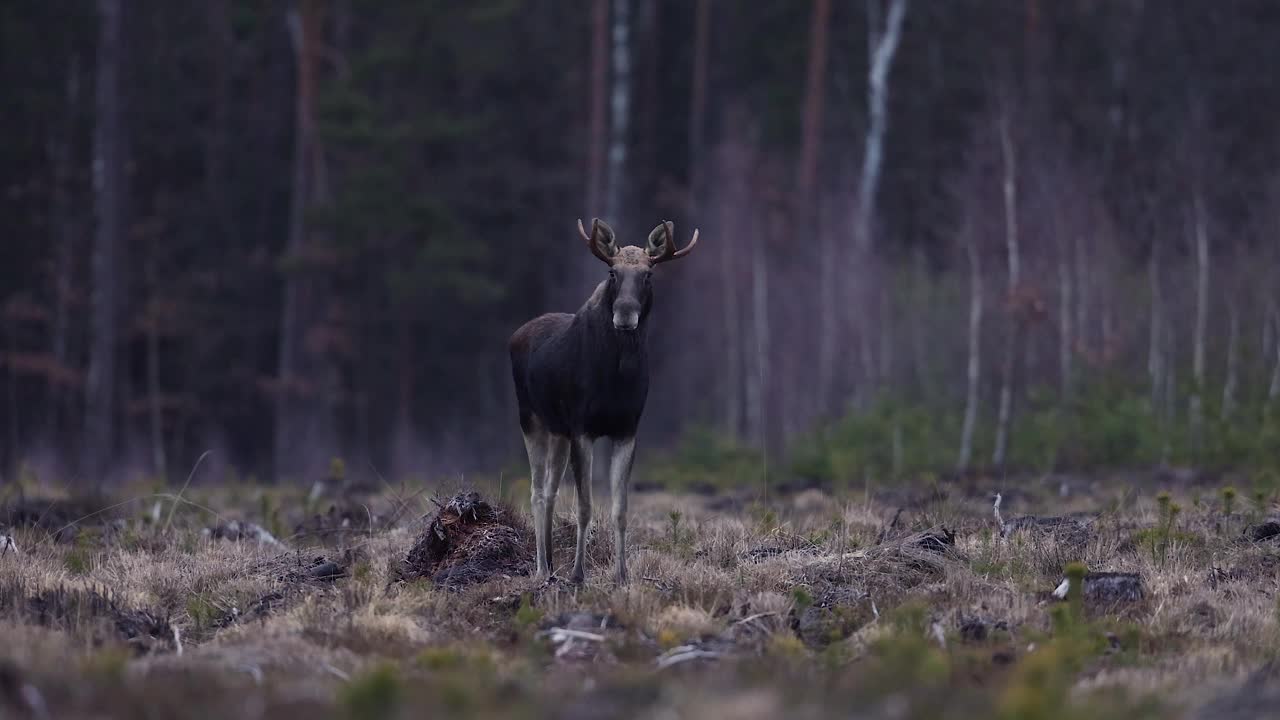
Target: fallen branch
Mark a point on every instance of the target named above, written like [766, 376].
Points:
[559, 635]
[757, 616]
[683, 654]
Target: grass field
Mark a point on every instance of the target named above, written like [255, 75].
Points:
[799, 606]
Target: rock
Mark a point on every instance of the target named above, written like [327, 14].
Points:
[939, 540]
[1265, 530]
[326, 571]
[977, 629]
[238, 530]
[1104, 588]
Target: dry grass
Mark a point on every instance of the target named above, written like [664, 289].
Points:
[808, 606]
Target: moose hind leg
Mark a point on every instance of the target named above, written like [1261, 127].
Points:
[536, 442]
[619, 483]
[580, 461]
[556, 462]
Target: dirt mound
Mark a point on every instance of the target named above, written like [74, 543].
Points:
[95, 613]
[468, 541]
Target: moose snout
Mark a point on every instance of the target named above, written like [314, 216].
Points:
[626, 316]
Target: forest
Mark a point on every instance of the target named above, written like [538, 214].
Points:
[966, 405]
[937, 237]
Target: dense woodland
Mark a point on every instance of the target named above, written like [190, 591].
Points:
[935, 234]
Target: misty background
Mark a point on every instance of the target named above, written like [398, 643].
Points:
[936, 236]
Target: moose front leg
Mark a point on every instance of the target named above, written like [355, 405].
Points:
[620, 483]
[557, 461]
[580, 462]
[535, 443]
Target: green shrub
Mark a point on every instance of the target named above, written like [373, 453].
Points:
[707, 458]
[376, 694]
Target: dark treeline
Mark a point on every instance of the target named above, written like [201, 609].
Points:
[292, 230]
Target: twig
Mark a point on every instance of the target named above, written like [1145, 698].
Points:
[685, 653]
[177, 641]
[559, 635]
[169, 521]
[757, 616]
[336, 672]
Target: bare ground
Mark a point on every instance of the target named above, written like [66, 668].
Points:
[252, 602]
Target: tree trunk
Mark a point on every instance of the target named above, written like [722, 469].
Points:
[1010, 167]
[63, 238]
[1268, 333]
[1170, 391]
[648, 106]
[974, 373]
[882, 44]
[402, 436]
[1066, 334]
[216, 144]
[108, 180]
[292, 411]
[919, 327]
[758, 383]
[11, 374]
[878, 119]
[599, 109]
[1155, 349]
[885, 373]
[1233, 357]
[1195, 404]
[1273, 392]
[733, 346]
[807, 200]
[698, 105]
[812, 111]
[155, 412]
[620, 113]
[1084, 291]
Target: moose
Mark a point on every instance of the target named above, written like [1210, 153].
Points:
[583, 377]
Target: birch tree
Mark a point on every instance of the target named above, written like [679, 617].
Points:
[619, 111]
[1009, 186]
[598, 106]
[1200, 238]
[882, 46]
[973, 373]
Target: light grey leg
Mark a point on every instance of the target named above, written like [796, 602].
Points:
[557, 461]
[619, 484]
[535, 443]
[580, 460]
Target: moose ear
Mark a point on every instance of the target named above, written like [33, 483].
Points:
[602, 235]
[600, 241]
[660, 239]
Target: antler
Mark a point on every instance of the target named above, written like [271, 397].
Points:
[591, 240]
[669, 251]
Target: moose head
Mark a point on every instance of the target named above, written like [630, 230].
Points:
[629, 292]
